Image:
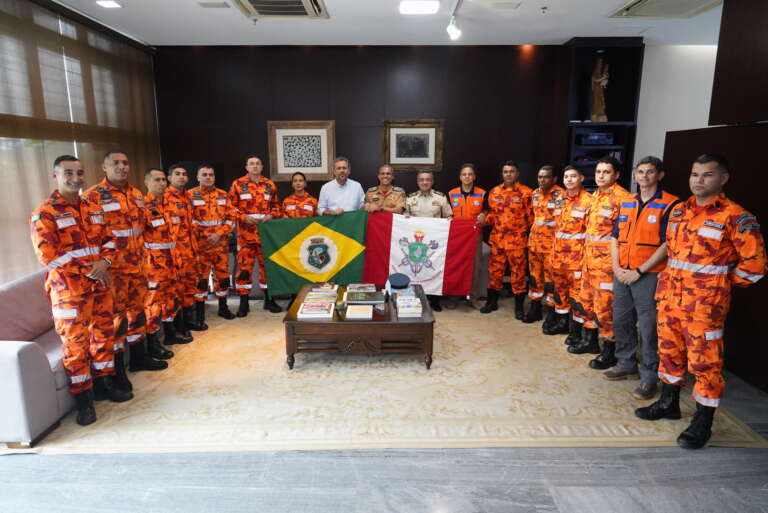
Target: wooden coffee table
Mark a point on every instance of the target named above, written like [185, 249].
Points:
[384, 334]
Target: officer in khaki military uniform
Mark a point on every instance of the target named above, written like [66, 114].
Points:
[385, 197]
[427, 202]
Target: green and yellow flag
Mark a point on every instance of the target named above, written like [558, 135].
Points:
[313, 249]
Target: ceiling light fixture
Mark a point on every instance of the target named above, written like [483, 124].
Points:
[454, 32]
[419, 6]
[108, 4]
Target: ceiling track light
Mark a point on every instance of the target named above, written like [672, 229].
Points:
[454, 32]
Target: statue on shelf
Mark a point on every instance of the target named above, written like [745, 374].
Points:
[599, 83]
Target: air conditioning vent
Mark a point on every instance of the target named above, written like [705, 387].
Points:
[213, 5]
[662, 9]
[289, 9]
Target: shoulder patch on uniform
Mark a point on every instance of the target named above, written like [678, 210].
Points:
[750, 226]
[373, 189]
[745, 218]
[438, 193]
[398, 189]
[413, 194]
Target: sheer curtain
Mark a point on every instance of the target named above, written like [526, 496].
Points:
[64, 89]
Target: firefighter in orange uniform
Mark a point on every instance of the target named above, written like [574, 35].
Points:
[185, 253]
[69, 238]
[254, 200]
[638, 253]
[545, 202]
[123, 207]
[163, 299]
[300, 203]
[510, 215]
[568, 254]
[468, 202]
[597, 276]
[212, 222]
[712, 244]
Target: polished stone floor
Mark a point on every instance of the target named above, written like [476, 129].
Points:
[658, 480]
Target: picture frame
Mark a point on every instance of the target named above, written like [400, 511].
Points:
[413, 144]
[306, 146]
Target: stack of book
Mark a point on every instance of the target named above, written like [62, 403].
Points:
[408, 303]
[365, 298]
[361, 287]
[360, 312]
[319, 303]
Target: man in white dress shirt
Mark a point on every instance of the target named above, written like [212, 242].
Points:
[340, 194]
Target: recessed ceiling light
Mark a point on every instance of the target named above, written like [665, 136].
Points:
[108, 4]
[419, 6]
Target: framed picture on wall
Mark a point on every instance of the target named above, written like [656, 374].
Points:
[306, 146]
[413, 144]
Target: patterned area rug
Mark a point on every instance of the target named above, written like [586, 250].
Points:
[495, 382]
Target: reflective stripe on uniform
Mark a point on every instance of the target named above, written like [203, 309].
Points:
[221, 293]
[578, 319]
[606, 286]
[159, 245]
[697, 268]
[598, 238]
[127, 233]
[109, 245]
[215, 222]
[249, 286]
[167, 319]
[262, 286]
[230, 223]
[706, 401]
[535, 294]
[80, 379]
[103, 365]
[201, 295]
[561, 310]
[569, 236]
[64, 313]
[672, 379]
[541, 222]
[75, 253]
[754, 278]
[132, 338]
[119, 346]
[713, 335]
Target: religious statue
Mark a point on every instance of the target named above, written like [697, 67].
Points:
[599, 83]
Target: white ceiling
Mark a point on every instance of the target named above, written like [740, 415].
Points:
[378, 22]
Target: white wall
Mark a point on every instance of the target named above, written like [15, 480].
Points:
[675, 93]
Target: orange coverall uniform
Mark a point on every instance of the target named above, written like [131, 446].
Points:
[597, 275]
[211, 213]
[710, 248]
[66, 239]
[160, 267]
[568, 251]
[545, 204]
[123, 215]
[178, 207]
[299, 206]
[510, 215]
[255, 200]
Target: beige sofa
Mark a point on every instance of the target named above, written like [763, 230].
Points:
[33, 384]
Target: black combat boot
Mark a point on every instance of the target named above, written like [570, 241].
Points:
[534, 313]
[156, 349]
[574, 332]
[224, 309]
[269, 304]
[141, 361]
[666, 407]
[519, 303]
[86, 413]
[607, 357]
[698, 432]
[182, 330]
[121, 376]
[104, 389]
[492, 304]
[199, 321]
[559, 327]
[549, 320]
[434, 303]
[244, 307]
[172, 336]
[588, 344]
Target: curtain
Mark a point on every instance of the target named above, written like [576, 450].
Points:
[64, 89]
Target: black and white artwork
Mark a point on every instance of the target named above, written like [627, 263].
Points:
[412, 146]
[302, 151]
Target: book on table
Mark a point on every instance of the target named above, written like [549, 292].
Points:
[361, 287]
[408, 307]
[360, 312]
[365, 298]
[324, 286]
[316, 310]
[320, 297]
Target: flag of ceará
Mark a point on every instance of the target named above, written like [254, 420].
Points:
[312, 250]
[438, 254]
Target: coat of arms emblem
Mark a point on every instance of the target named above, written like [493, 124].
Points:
[417, 253]
[318, 255]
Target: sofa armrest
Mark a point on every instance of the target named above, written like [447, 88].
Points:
[28, 403]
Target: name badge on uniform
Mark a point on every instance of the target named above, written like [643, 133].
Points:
[577, 213]
[290, 207]
[267, 196]
[550, 205]
[158, 222]
[308, 208]
[605, 212]
[65, 222]
[257, 216]
[111, 207]
[246, 196]
[557, 211]
[455, 203]
[221, 201]
[476, 203]
[652, 219]
[710, 233]
[435, 203]
[97, 219]
[175, 219]
[198, 203]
